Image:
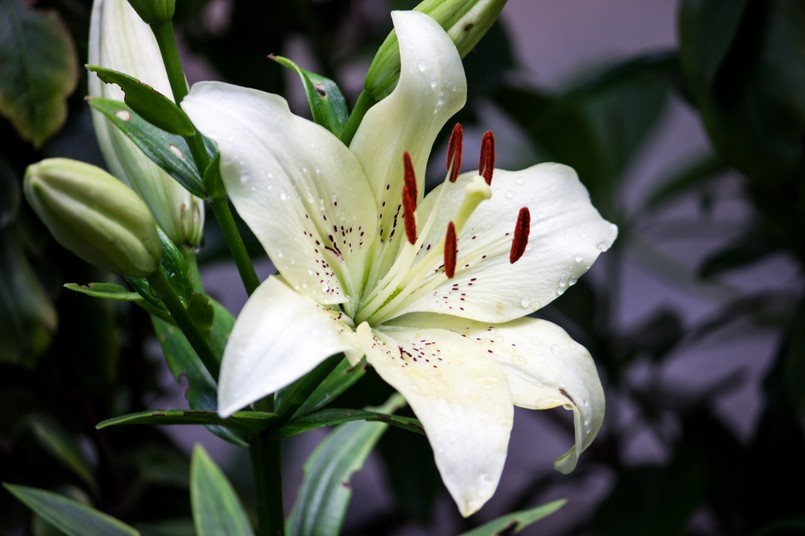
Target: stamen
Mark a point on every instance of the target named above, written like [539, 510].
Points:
[410, 177]
[409, 205]
[521, 230]
[409, 195]
[450, 250]
[487, 164]
[454, 152]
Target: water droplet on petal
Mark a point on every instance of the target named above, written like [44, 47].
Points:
[433, 83]
[509, 194]
[519, 180]
[524, 303]
[422, 65]
[283, 194]
[602, 246]
[578, 257]
[555, 350]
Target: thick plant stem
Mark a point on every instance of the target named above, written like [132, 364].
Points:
[180, 315]
[163, 32]
[265, 455]
[237, 248]
[365, 101]
[166, 41]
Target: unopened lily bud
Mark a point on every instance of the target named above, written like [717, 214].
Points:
[154, 11]
[465, 21]
[94, 215]
[120, 40]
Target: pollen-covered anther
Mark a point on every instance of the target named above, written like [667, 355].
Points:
[450, 251]
[409, 195]
[454, 152]
[486, 165]
[521, 230]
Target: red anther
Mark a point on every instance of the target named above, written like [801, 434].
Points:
[487, 164]
[409, 205]
[450, 250]
[521, 230]
[454, 152]
[410, 178]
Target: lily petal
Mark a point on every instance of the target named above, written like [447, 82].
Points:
[566, 236]
[432, 88]
[278, 336]
[545, 369]
[461, 397]
[296, 185]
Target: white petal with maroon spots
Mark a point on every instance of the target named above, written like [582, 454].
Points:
[300, 190]
[460, 395]
[566, 236]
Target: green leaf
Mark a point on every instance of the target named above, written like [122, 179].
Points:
[71, 517]
[168, 151]
[339, 380]
[216, 508]
[40, 70]
[327, 104]
[174, 265]
[63, 446]
[148, 103]
[182, 360]
[324, 494]
[244, 421]
[26, 325]
[108, 291]
[201, 311]
[333, 416]
[515, 522]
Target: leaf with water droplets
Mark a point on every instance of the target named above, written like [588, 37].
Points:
[168, 151]
[326, 101]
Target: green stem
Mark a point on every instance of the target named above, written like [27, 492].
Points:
[237, 248]
[365, 101]
[182, 318]
[264, 451]
[163, 32]
[166, 40]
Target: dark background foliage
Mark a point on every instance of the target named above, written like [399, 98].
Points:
[68, 361]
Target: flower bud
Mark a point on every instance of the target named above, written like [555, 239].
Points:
[119, 40]
[465, 21]
[154, 11]
[94, 215]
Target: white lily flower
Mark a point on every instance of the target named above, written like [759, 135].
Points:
[120, 40]
[432, 291]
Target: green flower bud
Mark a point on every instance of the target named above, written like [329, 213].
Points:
[465, 21]
[94, 215]
[154, 11]
[119, 40]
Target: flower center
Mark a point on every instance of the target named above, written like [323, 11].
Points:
[430, 255]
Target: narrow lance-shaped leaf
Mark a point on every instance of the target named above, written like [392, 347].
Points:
[324, 495]
[326, 101]
[168, 151]
[149, 103]
[69, 516]
[515, 522]
[243, 421]
[216, 508]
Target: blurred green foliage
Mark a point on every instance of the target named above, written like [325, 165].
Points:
[68, 361]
